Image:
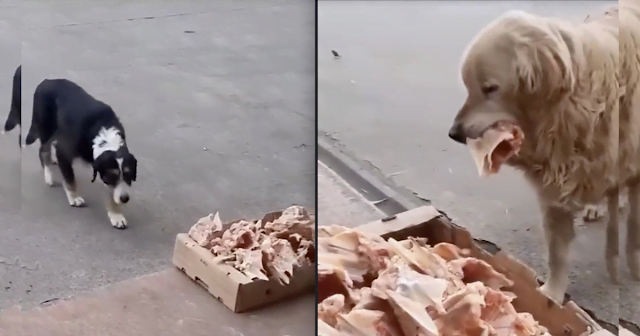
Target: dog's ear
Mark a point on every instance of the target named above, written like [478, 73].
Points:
[543, 62]
[95, 174]
[97, 163]
[135, 168]
[133, 164]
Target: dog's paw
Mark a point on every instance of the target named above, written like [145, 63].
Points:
[593, 213]
[117, 220]
[623, 201]
[553, 293]
[77, 202]
[48, 177]
[53, 184]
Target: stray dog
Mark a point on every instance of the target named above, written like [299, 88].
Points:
[78, 126]
[15, 118]
[570, 92]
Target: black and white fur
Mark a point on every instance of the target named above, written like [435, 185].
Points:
[68, 119]
[14, 119]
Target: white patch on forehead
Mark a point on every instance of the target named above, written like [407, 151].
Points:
[108, 139]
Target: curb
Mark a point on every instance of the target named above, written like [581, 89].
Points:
[375, 189]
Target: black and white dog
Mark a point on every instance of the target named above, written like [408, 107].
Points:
[14, 119]
[68, 119]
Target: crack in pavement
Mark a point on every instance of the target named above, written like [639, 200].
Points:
[118, 21]
[138, 18]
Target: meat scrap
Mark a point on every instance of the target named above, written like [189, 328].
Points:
[416, 290]
[495, 146]
[263, 251]
[205, 230]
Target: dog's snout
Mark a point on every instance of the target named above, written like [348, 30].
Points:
[124, 198]
[457, 134]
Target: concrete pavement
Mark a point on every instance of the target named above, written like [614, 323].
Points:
[173, 304]
[339, 203]
[218, 101]
[165, 303]
[390, 99]
[9, 150]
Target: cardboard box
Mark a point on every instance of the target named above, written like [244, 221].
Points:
[428, 222]
[232, 287]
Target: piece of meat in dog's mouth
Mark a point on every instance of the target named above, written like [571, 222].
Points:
[497, 144]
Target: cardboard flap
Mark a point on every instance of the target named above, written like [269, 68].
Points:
[622, 332]
[629, 327]
[604, 332]
[402, 221]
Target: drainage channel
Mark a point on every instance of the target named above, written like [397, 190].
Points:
[385, 198]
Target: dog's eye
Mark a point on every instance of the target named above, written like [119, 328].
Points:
[488, 89]
[110, 179]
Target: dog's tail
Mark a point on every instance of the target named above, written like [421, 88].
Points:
[11, 122]
[32, 136]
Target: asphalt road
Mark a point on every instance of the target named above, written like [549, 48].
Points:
[217, 98]
[390, 99]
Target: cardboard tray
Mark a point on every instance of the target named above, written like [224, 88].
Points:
[232, 287]
[428, 222]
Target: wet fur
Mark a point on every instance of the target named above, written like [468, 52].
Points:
[573, 89]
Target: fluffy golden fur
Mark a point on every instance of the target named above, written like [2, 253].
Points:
[572, 89]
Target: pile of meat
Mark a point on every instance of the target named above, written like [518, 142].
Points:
[269, 250]
[371, 287]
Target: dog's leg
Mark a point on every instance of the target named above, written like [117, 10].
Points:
[559, 232]
[46, 161]
[612, 247]
[114, 212]
[633, 230]
[70, 186]
[623, 200]
[54, 155]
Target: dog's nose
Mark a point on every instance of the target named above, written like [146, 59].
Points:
[124, 198]
[456, 134]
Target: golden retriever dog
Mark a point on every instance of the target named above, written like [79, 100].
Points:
[570, 90]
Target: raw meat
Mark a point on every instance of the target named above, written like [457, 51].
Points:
[370, 287]
[263, 251]
[496, 145]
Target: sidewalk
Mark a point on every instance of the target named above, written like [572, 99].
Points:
[166, 303]
[339, 203]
